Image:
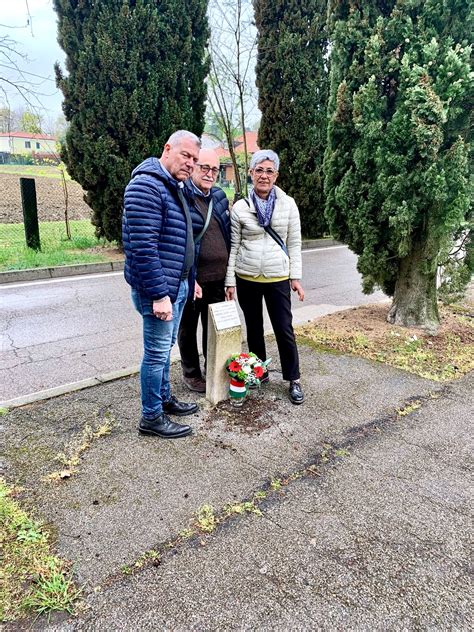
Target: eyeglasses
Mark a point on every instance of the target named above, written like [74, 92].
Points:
[259, 171]
[207, 168]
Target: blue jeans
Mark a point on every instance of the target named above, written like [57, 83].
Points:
[159, 337]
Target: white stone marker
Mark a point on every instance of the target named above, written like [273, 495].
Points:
[224, 337]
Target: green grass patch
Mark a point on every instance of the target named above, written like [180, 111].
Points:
[34, 171]
[56, 249]
[33, 580]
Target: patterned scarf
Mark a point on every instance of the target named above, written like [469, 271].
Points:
[264, 208]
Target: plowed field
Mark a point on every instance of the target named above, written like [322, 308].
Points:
[50, 197]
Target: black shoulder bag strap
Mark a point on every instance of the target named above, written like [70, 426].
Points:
[272, 232]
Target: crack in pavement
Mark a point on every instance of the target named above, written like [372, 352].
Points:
[318, 465]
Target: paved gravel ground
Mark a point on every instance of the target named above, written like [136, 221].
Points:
[372, 535]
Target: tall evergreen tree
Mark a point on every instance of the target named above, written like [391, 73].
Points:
[397, 158]
[135, 73]
[292, 79]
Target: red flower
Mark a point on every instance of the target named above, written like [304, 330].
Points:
[258, 371]
[244, 355]
[234, 367]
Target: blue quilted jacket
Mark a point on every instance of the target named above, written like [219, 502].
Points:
[154, 231]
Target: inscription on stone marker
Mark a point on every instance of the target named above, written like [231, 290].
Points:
[225, 315]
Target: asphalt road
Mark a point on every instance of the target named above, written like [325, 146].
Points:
[63, 331]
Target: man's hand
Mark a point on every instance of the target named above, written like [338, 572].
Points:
[163, 309]
[197, 290]
[297, 287]
[230, 293]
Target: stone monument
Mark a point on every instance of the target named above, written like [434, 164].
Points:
[224, 337]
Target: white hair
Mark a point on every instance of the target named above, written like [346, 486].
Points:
[262, 155]
[177, 137]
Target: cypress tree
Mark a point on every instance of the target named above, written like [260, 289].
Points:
[292, 79]
[135, 73]
[396, 163]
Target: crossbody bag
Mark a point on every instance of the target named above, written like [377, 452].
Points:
[272, 232]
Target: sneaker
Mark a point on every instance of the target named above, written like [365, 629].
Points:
[174, 407]
[196, 384]
[163, 427]
[296, 392]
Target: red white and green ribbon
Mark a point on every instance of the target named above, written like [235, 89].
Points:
[237, 389]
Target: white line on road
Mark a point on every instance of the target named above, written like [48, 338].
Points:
[81, 277]
[319, 249]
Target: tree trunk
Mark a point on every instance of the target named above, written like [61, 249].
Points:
[415, 299]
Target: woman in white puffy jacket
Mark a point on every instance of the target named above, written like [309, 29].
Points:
[265, 262]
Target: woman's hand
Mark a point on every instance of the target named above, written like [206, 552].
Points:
[197, 290]
[297, 287]
[230, 293]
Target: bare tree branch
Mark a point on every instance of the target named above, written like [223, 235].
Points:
[232, 50]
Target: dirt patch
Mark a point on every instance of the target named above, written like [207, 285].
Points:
[50, 196]
[364, 331]
[252, 418]
[109, 253]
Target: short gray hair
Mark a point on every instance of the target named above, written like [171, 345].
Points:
[262, 155]
[177, 137]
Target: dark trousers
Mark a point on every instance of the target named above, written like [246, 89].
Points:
[212, 292]
[278, 302]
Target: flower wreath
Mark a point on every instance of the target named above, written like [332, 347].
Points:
[246, 367]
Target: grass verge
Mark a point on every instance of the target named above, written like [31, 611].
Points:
[34, 171]
[32, 579]
[56, 249]
[365, 332]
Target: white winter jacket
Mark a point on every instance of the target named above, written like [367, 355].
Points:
[254, 252]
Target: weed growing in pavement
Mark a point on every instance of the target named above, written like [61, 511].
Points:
[71, 458]
[32, 579]
[275, 484]
[206, 520]
[241, 508]
[341, 452]
[408, 408]
[185, 534]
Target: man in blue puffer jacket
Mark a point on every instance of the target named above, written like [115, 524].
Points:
[158, 238]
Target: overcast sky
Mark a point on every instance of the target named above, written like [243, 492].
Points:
[37, 40]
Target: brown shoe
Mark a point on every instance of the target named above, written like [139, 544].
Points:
[196, 384]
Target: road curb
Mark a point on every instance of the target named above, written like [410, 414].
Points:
[64, 389]
[38, 274]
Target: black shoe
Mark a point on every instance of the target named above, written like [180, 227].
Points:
[296, 393]
[163, 427]
[173, 407]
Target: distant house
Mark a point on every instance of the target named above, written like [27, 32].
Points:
[227, 169]
[25, 143]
